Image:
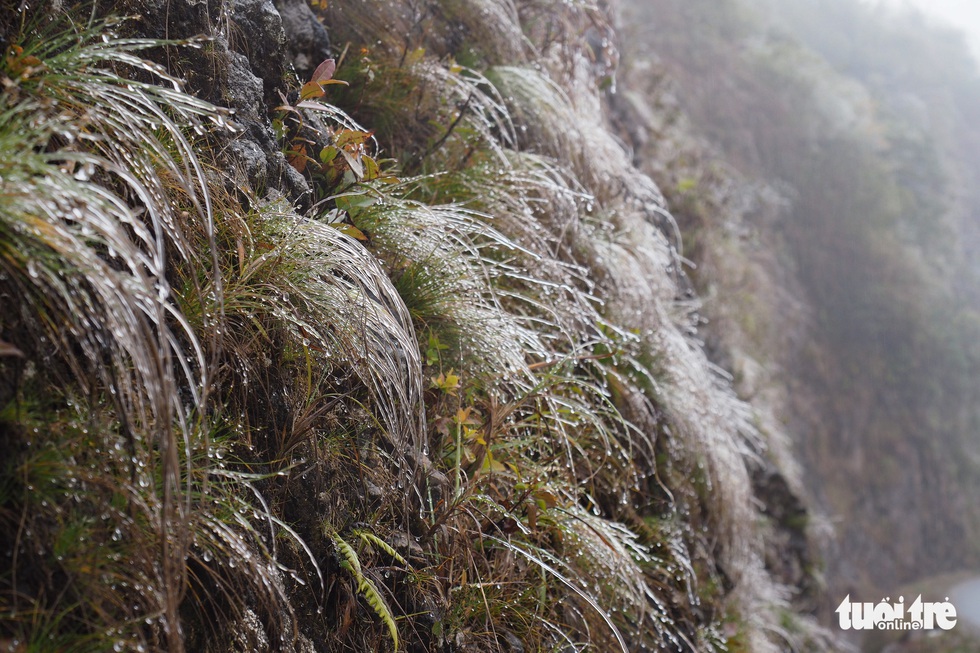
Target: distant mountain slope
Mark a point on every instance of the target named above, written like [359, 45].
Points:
[861, 125]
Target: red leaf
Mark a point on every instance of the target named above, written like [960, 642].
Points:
[324, 71]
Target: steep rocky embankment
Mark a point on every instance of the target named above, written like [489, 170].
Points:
[369, 334]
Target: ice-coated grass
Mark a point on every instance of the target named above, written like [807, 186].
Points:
[460, 409]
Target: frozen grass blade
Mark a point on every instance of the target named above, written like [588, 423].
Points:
[578, 591]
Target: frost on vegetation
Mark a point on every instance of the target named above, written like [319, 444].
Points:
[491, 28]
[506, 319]
[633, 260]
[633, 252]
[107, 445]
[338, 301]
[87, 244]
[480, 119]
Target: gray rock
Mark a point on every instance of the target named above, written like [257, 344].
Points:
[259, 35]
[245, 93]
[407, 546]
[304, 645]
[307, 41]
[286, 178]
[247, 157]
[249, 635]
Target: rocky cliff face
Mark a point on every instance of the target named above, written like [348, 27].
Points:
[393, 352]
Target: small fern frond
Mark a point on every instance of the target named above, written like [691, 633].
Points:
[367, 589]
[372, 539]
[365, 585]
[350, 555]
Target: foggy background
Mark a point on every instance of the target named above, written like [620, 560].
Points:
[963, 15]
[839, 141]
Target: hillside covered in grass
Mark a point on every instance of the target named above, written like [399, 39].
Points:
[358, 327]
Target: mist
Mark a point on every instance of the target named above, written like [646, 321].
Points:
[847, 138]
[960, 15]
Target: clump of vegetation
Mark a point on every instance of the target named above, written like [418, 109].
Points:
[448, 404]
[114, 502]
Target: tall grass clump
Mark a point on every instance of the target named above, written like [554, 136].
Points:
[118, 512]
[522, 431]
[87, 232]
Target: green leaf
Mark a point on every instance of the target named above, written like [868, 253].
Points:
[351, 202]
[328, 154]
[279, 129]
[414, 57]
[354, 163]
[368, 590]
[447, 382]
[687, 184]
[371, 538]
[371, 169]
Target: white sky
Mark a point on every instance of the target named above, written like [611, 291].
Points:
[962, 14]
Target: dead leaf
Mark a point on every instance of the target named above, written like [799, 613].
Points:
[7, 349]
